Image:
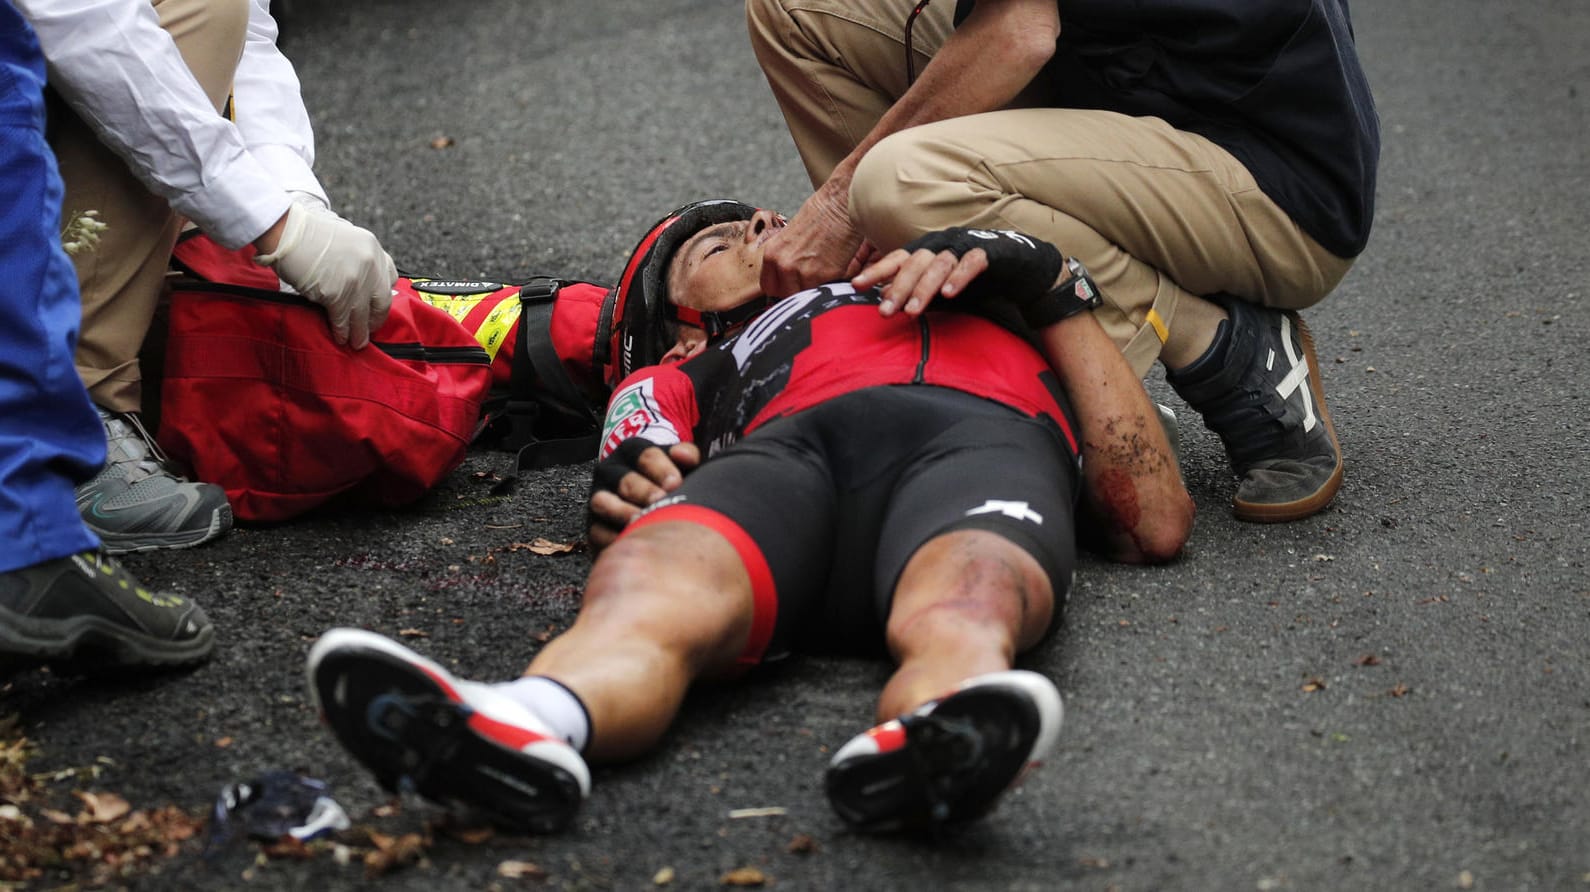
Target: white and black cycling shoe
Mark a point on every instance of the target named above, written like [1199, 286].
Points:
[458, 743]
[949, 761]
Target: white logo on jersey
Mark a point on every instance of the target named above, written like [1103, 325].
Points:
[763, 326]
[1018, 510]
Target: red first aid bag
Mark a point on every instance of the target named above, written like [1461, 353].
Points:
[258, 399]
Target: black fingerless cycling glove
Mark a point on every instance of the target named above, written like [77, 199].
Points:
[610, 471]
[622, 460]
[1021, 270]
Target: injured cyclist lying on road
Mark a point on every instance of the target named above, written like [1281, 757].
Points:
[845, 470]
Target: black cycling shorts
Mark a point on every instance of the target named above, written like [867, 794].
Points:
[826, 507]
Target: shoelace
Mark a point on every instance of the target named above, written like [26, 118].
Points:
[95, 560]
[131, 444]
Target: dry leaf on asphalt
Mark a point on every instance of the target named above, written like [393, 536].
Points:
[520, 870]
[801, 844]
[101, 808]
[392, 853]
[543, 546]
[136, 822]
[290, 848]
[744, 876]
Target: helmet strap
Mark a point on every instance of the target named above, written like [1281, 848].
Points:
[720, 322]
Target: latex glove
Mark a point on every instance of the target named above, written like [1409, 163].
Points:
[338, 265]
[299, 196]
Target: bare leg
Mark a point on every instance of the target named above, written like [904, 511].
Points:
[967, 603]
[664, 605]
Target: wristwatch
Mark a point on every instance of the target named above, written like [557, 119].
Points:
[1075, 293]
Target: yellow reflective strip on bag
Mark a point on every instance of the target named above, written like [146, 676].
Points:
[498, 324]
[457, 306]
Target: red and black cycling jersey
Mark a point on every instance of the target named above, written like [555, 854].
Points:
[820, 344]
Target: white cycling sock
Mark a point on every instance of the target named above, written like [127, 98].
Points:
[554, 704]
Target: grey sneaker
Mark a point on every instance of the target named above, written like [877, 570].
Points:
[135, 504]
[1262, 394]
[84, 609]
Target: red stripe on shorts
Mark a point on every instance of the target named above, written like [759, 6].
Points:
[764, 594]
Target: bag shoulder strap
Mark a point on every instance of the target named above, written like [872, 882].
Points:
[539, 387]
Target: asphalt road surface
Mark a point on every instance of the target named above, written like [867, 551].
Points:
[1390, 695]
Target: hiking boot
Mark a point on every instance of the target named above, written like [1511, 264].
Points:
[1261, 392]
[85, 610]
[135, 503]
[458, 743]
[949, 761]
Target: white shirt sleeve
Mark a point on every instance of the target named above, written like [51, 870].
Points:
[123, 74]
[269, 107]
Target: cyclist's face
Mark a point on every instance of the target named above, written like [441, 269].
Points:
[720, 267]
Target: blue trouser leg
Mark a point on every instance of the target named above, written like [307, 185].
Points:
[50, 436]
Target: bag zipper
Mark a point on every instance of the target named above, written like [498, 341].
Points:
[418, 352]
[413, 350]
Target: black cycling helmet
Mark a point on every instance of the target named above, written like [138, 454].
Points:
[633, 331]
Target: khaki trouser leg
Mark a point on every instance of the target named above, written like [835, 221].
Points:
[835, 66]
[1156, 214]
[121, 278]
